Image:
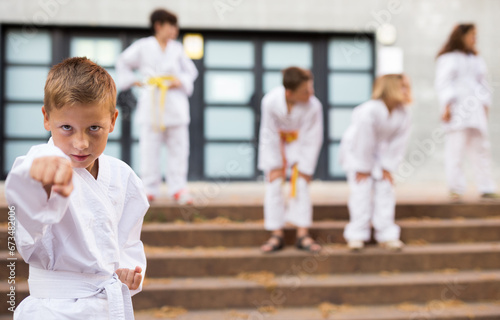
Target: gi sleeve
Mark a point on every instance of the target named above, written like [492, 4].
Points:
[34, 211]
[483, 89]
[188, 73]
[311, 139]
[127, 62]
[130, 225]
[364, 144]
[269, 139]
[395, 151]
[446, 73]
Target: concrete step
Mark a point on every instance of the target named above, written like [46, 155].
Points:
[205, 262]
[305, 290]
[222, 232]
[169, 212]
[298, 290]
[433, 310]
[231, 234]
[334, 259]
[335, 211]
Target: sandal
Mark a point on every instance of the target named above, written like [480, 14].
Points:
[300, 246]
[274, 246]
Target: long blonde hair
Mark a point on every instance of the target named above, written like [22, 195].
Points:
[388, 89]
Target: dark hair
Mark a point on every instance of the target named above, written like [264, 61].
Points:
[293, 77]
[78, 81]
[456, 39]
[162, 16]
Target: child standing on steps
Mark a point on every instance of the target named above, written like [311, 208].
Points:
[370, 152]
[79, 212]
[291, 135]
[163, 106]
[465, 99]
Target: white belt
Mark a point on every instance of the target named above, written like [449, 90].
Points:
[72, 285]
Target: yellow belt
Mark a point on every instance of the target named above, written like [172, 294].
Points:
[289, 137]
[161, 84]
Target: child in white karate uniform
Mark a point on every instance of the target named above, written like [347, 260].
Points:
[163, 106]
[291, 135]
[370, 152]
[79, 212]
[465, 99]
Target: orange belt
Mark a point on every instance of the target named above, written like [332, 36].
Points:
[289, 137]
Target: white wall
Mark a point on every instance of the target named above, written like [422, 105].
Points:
[422, 26]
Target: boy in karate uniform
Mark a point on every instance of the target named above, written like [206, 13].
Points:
[371, 150]
[163, 106]
[79, 212]
[291, 135]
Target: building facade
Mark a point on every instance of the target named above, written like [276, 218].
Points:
[246, 44]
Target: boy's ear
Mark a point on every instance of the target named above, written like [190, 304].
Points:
[46, 124]
[113, 121]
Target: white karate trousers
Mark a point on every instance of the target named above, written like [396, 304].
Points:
[371, 203]
[299, 209]
[473, 142]
[176, 140]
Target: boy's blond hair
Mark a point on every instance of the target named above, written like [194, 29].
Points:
[388, 88]
[79, 81]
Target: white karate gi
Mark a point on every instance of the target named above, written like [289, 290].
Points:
[146, 56]
[461, 82]
[307, 119]
[75, 244]
[375, 140]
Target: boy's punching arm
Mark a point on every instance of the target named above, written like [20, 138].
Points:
[395, 151]
[132, 257]
[127, 62]
[38, 186]
[188, 74]
[311, 140]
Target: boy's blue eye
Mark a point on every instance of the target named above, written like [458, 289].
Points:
[66, 127]
[94, 128]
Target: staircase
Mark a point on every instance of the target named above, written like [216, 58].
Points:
[204, 263]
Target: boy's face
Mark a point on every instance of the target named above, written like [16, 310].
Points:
[80, 131]
[165, 30]
[302, 94]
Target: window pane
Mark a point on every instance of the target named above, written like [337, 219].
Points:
[103, 51]
[28, 47]
[136, 159]
[25, 83]
[229, 123]
[349, 89]
[352, 54]
[271, 80]
[113, 149]
[14, 149]
[229, 160]
[339, 120]
[228, 87]
[24, 120]
[334, 167]
[112, 73]
[279, 55]
[229, 54]
[136, 126]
